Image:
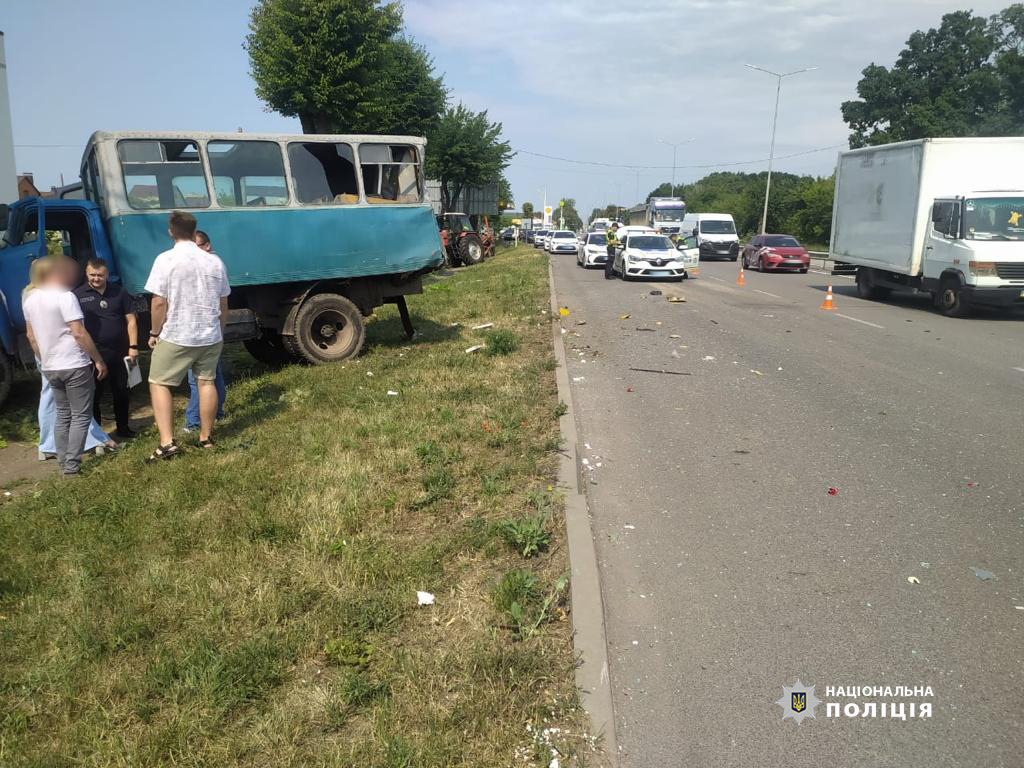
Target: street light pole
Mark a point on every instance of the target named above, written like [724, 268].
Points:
[775, 122]
[675, 146]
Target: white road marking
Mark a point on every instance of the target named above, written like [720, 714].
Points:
[858, 320]
[775, 295]
[1019, 369]
[716, 278]
[846, 277]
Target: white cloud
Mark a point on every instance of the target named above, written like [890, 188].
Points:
[595, 79]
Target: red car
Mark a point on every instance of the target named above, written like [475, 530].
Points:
[781, 253]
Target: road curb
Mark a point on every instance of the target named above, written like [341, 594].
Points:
[587, 610]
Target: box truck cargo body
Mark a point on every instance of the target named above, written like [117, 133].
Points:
[942, 216]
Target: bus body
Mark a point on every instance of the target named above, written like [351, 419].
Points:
[315, 230]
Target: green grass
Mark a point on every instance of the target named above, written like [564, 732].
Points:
[257, 605]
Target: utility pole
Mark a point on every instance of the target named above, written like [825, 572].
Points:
[775, 120]
[675, 146]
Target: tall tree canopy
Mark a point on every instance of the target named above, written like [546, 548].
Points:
[962, 79]
[567, 212]
[527, 210]
[341, 66]
[465, 150]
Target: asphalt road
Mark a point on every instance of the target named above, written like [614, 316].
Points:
[729, 571]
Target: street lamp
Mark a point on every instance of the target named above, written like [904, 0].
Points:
[675, 146]
[775, 120]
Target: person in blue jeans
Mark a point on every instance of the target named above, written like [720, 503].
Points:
[192, 411]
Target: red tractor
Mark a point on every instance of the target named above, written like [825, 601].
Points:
[462, 244]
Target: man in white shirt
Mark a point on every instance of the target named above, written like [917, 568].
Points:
[189, 311]
[53, 323]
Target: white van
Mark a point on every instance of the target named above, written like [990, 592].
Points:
[715, 233]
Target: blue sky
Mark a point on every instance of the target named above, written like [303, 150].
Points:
[580, 79]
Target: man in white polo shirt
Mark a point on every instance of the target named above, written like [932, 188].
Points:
[189, 310]
[66, 352]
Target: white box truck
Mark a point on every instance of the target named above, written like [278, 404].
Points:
[939, 216]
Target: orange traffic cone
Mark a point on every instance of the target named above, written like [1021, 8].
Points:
[741, 280]
[828, 303]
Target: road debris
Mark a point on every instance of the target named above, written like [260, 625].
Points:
[481, 327]
[913, 579]
[756, 372]
[655, 293]
[833, 491]
[424, 598]
[563, 311]
[674, 336]
[629, 527]
[675, 299]
[655, 370]
[651, 330]
[392, 393]
[629, 389]
[983, 575]
[623, 317]
[708, 357]
[475, 348]
[578, 378]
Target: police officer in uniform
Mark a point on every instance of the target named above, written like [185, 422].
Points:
[613, 241]
[107, 310]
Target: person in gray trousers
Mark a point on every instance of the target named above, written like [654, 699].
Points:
[66, 352]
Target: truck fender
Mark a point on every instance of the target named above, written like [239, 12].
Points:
[320, 286]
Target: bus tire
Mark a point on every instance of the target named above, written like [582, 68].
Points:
[471, 250]
[268, 348]
[6, 376]
[328, 328]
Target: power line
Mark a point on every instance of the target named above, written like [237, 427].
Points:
[635, 167]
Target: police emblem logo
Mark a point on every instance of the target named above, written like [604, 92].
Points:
[798, 701]
[103, 304]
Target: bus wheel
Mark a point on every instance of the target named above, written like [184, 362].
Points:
[328, 329]
[268, 348]
[6, 376]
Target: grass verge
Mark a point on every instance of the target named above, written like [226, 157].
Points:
[258, 605]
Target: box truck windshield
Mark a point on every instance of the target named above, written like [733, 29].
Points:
[714, 227]
[669, 214]
[994, 218]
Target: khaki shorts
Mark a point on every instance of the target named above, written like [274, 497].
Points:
[170, 362]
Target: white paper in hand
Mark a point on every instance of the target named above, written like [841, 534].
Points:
[134, 373]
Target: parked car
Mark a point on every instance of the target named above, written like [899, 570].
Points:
[540, 240]
[775, 253]
[508, 234]
[648, 255]
[528, 235]
[562, 241]
[593, 251]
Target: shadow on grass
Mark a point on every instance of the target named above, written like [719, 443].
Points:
[388, 332]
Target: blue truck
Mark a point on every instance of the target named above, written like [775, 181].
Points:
[316, 231]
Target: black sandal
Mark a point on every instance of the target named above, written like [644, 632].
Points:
[207, 443]
[168, 451]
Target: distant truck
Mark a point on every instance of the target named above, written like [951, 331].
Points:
[315, 231]
[939, 216]
[662, 214]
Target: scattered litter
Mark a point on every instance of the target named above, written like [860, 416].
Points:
[481, 327]
[779, 368]
[424, 598]
[581, 322]
[674, 336]
[623, 317]
[675, 353]
[636, 642]
[586, 461]
[587, 446]
[675, 299]
[629, 389]
[708, 357]
[655, 293]
[743, 451]
[392, 393]
[564, 331]
[655, 370]
[651, 330]
[563, 311]
[833, 491]
[577, 378]
[475, 348]
[369, 373]
[913, 579]
[1019, 607]
[926, 565]
[629, 527]
[971, 484]
[756, 372]
[982, 574]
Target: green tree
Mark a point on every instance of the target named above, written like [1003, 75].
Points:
[962, 79]
[567, 212]
[505, 197]
[340, 66]
[527, 210]
[465, 150]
